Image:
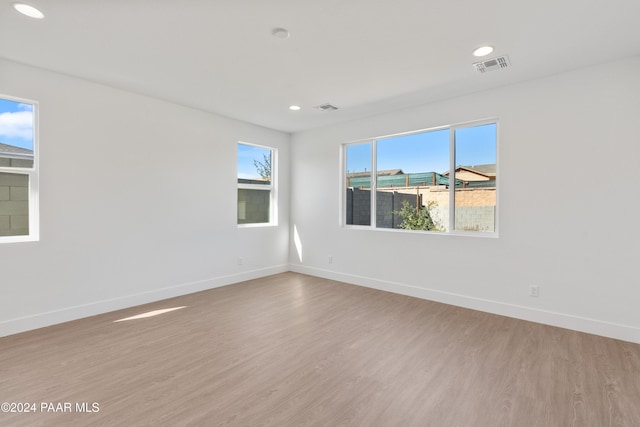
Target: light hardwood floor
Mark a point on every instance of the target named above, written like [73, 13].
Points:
[295, 350]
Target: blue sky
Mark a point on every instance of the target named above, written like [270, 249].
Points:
[427, 151]
[16, 124]
[246, 155]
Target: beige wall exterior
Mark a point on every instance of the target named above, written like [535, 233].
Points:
[464, 196]
[9, 162]
[14, 204]
[470, 176]
[475, 207]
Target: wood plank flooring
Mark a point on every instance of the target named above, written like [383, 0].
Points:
[295, 350]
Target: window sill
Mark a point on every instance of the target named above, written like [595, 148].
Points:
[18, 239]
[490, 235]
[258, 225]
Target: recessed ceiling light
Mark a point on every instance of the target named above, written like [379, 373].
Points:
[483, 51]
[28, 10]
[294, 107]
[281, 33]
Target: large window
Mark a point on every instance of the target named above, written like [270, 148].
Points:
[18, 170]
[256, 185]
[440, 180]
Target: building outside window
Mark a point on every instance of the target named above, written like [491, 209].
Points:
[18, 170]
[405, 181]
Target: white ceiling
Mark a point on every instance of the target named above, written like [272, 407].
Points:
[364, 56]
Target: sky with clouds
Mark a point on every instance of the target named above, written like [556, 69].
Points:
[16, 124]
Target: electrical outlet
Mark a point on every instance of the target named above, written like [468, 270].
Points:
[330, 259]
[240, 261]
[534, 291]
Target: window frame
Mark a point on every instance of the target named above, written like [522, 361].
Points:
[32, 174]
[271, 187]
[452, 165]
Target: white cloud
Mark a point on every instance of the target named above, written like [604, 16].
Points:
[25, 107]
[17, 125]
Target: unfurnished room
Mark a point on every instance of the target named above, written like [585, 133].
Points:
[337, 213]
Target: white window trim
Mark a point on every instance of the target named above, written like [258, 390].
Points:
[452, 232]
[33, 174]
[272, 187]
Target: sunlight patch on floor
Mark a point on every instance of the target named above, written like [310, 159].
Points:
[150, 314]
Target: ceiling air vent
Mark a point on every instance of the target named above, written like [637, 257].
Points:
[326, 107]
[492, 64]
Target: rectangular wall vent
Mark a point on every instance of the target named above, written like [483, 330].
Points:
[326, 107]
[492, 64]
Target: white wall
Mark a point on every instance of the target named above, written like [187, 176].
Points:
[131, 190]
[568, 175]
[138, 203]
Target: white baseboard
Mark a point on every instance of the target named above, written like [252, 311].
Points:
[40, 320]
[576, 323]
[591, 326]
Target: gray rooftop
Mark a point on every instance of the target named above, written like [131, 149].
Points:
[489, 170]
[12, 149]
